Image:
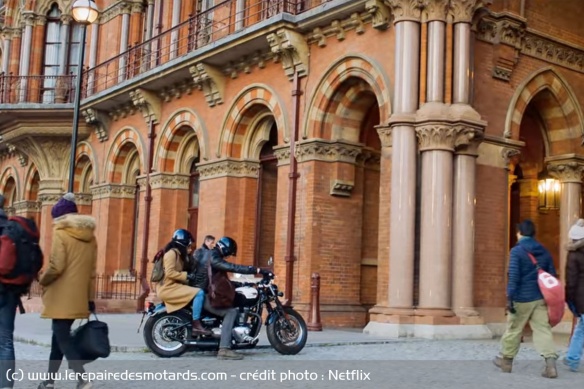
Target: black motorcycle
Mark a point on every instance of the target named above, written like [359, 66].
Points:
[169, 334]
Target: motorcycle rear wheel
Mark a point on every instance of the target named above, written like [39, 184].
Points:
[158, 334]
[288, 340]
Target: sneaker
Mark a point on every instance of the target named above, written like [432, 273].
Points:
[84, 385]
[225, 353]
[46, 385]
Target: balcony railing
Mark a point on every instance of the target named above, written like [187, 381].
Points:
[198, 31]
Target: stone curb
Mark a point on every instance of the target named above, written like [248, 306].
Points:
[126, 349]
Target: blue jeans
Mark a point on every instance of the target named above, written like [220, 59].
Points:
[8, 305]
[198, 302]
[576, 346]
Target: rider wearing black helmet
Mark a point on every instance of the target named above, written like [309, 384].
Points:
[225, 247]
[174, 289]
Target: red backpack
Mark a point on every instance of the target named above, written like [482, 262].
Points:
[553, 293]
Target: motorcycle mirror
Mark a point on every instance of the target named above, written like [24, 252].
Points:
[271, 261]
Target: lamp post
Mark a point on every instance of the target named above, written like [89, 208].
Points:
[84, 12]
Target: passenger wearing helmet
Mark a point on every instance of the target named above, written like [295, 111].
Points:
[225, 247]
[174, 289]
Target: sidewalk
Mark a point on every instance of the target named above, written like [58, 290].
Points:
[31, 328]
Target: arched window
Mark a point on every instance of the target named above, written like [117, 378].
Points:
[194, 198]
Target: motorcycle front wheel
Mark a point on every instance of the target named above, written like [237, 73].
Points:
[288, 337]
[162, 334]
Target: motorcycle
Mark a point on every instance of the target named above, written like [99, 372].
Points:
[169, 334]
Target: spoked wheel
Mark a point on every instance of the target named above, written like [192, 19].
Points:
[288, 336]
[163, 334]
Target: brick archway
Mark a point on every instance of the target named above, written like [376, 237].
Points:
[561, 112]
[7, 174]
[29, 183]
[124, 142]
[247, 106]
[174, 134]
[326, 97]
[84, 149]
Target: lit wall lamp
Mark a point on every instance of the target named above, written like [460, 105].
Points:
[549, 191]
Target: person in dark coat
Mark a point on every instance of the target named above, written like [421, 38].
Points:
[575, 292]
[525, 303]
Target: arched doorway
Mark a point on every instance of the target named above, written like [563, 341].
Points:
[194, 186]
[10, 196]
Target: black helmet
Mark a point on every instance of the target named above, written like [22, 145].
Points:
[183, 237]
[228, 246]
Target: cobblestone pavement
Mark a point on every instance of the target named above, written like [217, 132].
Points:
[409, 363]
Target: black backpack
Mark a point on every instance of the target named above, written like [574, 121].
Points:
[21, 257]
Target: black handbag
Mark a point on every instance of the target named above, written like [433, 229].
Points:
[92, 340]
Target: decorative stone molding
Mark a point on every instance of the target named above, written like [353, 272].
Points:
[49, 198]
[536, 44]
[566, 168]
[404, 10]
[98, 119]
[246, 63]
[435, 10]
[290, 48]
[28, 18]
[385, 135]
[177, 90]
[83, 198]
[27, 206]
[137, 8]
[341, 188]
[40, 20]
[510, 155]
[436, 137]
[462, 11]
[113, 11]
[22, 157]
[380, 14]
[148, 103]
[468, 140]
[122, 111]
[369, 159]
[229, 168]
[356, 21]
[66, 19]
[50, 155]
[211, 81]
[113, 191]
[282, 153]
[327, 151]
[169, 181]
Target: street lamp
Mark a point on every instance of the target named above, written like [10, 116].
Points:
[84, 12]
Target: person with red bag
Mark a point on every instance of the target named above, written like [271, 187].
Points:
[525, 302]
[575, 293]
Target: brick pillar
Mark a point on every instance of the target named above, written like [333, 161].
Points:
[84, 203]
[50, 191]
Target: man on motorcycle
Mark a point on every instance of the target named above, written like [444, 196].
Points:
[224, 248]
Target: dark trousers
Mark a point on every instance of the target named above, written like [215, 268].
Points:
[8, 305]
[62, 345]
[229, 316]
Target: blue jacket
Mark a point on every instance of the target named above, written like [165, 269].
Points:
[522, 285]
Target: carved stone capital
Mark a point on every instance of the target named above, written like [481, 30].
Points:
[211, 81]
[115, 191]
[125, 7]
[436, 137]
[369, 159]
[570, 171]
[436, 10]
[327, 151]
[49, 198]
[50, 155]
[229, 168]
[468, 140]
[25, 206]
[511, 156]
[385, 135]
[462, 11]
[100, 120]
[137, 8]
[66, 19]
[40, 20]
[282, 153]
[83, 198]
[169, 181]
[148, 103]
[403, 10]
[291, 49]
[380, 14]
[28, 18]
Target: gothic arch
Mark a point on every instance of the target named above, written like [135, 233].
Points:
[349, 66]
[44, 6]
[29, 181]
[121, 145]
[253, 100]
[10, 172]
[85, 149]
[174, 135]
[568, 116]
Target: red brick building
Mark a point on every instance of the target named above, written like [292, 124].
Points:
[389, 146]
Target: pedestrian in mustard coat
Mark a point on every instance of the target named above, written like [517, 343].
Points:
[174, 289]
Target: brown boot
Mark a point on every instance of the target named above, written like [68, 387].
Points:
[199, 330]
[225, 353]
[550, 370]
[505, 364]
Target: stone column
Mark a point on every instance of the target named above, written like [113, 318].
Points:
[6, 52]
[436, 146]
[570, 175]
[463, 221]
[176, 8]
[65, 20]
[239, 14]
[50, 191]
[124, 41]
[436, 17]
[92, 56]
[404, 155]
[149, 20]
[25, 58]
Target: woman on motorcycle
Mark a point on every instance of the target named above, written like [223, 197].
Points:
[174, 289]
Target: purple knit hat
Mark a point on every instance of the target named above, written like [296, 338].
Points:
[65, 205]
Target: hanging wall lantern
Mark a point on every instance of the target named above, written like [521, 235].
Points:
[549, 191]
